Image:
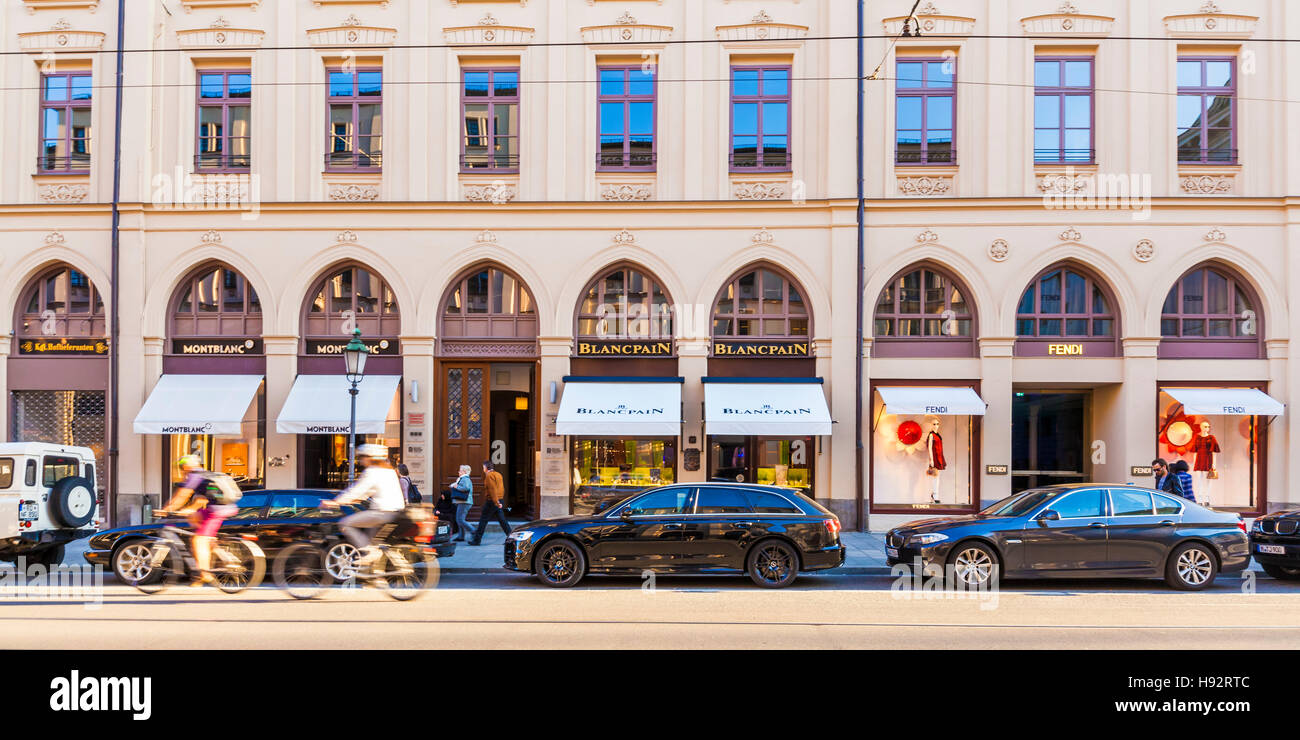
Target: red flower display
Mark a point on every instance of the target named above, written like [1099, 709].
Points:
[909, 433]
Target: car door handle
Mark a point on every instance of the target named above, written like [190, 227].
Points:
[672, 525]
[1096, 525]
[743, 525]
[1167, 523]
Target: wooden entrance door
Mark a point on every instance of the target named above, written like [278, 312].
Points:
[464, 393]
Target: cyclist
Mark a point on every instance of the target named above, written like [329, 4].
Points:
[378, 482]
[195, 500]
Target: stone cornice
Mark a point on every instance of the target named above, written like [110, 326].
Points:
[1211, 22]
[349, 36]
[933, 25]
[220, 38]
[627, 33]
[1068, 24]
[61, 40]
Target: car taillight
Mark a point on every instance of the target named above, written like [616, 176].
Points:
[249, 537]
[1241, 524]
[423, 539]
[832, 526]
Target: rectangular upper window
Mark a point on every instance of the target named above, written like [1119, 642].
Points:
[926, 101]
[224, 118]
[489, 102]
[760, 118]
[1207, 110]
[65, 123]
[356, 107]
[1063, 110]
[625, 105]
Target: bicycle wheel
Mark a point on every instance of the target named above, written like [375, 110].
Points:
[408, 573]
[165, 569]
[299, 570]
[244, 568]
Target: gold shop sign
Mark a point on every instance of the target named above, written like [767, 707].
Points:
[760, 349]
[1065, 350]
[246, 346]
[623, 348]
[63, 346]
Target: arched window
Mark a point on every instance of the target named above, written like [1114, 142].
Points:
[1065, 303]
[216, 301]
[352, 296]
[489, 303]
[625, 303]
[1210, 313]
[760, 303]
[924, 311]
[61, 302]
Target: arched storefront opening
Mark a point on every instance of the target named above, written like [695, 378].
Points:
[624, 374]
[487, 377]
[762, 327]
[58, 369]
[1067, 313]
[345, 298]
[1219, 429]
[211, 399]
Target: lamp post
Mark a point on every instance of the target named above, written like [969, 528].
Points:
[354, 355]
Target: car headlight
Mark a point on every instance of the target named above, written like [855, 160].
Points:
[1258, 526]
[927, 539]
[520, 536]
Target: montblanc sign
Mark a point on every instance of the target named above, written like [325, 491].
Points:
[316, 347]
[245, 346]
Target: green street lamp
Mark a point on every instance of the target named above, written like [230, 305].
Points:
[354, 355]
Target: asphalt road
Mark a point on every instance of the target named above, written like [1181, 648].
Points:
[470, 611]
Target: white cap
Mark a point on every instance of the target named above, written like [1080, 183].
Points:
[378, 451]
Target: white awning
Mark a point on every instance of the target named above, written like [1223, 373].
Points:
[620, 409]
[1226, 401]
[198, 404]
[766, 409]
[320, 404]
[938, 401]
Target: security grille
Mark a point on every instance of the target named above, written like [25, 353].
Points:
[73, 418]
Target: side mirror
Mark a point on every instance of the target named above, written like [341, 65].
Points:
[1048, 516]
[626, 513]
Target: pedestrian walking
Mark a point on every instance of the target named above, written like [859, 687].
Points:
[410, 492]
[462, 492]
[494, 489]
[1183, 471]
[1166, 480]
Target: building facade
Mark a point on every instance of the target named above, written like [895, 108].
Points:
[608, 245]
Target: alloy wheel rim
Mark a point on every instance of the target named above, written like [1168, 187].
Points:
[1194, 567]
[973, 566]
[774, 564]
[341, 561]
[133, 562]
[558, 564]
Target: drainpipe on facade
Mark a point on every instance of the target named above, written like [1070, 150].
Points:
[859, 474]
[115, 333]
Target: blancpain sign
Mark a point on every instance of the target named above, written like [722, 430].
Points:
[620, 410]
[766, 410]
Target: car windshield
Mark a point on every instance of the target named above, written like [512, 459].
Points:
[1020, 503]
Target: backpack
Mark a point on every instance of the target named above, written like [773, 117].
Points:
[221, 488]
[413, 495]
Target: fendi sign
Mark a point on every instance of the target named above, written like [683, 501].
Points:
[623, 348]
[760, 349]
[317, 347]
[247, 346]
[63, 346]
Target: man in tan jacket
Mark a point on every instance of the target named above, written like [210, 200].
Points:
[494, 487]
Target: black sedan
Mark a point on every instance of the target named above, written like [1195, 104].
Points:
[1275, 543]
[276, 518]
[771, 533]
[1078, 531]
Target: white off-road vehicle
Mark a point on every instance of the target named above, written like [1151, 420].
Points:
[47, 499]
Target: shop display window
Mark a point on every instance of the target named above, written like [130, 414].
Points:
[242, 458]
[1223, 453]
[612, 468]
[921, 461]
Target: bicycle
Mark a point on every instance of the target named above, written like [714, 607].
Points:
[406, 568]
[237, 562]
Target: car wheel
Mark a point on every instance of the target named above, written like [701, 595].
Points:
[1281, 573]
[131, 562]
[72, 502]
[560, 564]
[773, 564]
[1191, 567]
[973, 565]
[341, 561]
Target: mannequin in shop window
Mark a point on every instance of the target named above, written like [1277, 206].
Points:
[934, 455]
[1204, 468]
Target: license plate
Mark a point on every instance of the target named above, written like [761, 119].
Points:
[29, 512]
[1272, 549]
[891, 552]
